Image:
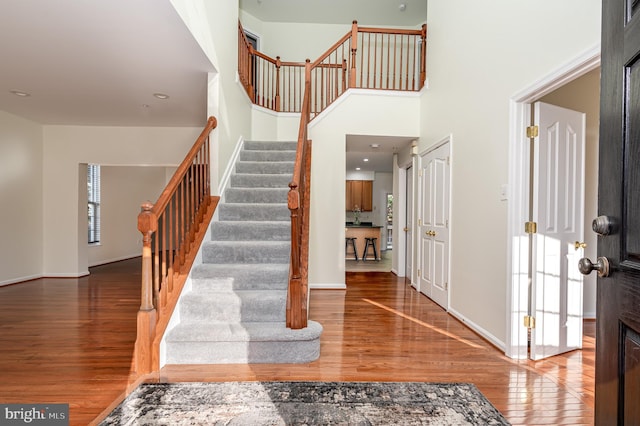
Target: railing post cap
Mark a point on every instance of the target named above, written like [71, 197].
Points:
[146, 206]
[213, 121]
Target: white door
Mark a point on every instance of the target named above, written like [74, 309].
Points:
[409, 228]
[558, 210]
[434, 225]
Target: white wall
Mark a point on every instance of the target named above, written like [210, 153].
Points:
[214, 25]
[68, 147]
[123, 190]
[583, 94]
[476, 61]
[20, 199]
[356, 112]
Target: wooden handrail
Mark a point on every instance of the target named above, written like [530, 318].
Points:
[172, 229]
[298, 203]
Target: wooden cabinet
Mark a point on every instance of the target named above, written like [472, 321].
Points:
[359, 193]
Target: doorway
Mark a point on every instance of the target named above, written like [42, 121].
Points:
[555, 89]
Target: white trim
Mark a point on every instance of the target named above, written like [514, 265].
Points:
[271, 112]
[328, 286]
[589, 315]
[115, 259]
[228, 171]
[65, 275]
[20, 280]
[517, 211]
[364, 92]
[476, 328]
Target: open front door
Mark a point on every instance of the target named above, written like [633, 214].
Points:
[618, 226]
[558, 211]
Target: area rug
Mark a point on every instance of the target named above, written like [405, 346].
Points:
[305, 403]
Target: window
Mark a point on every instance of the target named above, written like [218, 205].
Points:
[93, 205]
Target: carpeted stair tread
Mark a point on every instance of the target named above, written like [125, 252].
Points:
[267, 155]
[254, 211]
[266, 180]
[265, 167]
[234, 306]
[246, 251]
[270, 145]
[245, 230]
[256, 195]
[242, 332]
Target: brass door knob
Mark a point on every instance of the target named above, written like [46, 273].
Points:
[431, 233]
[579, 245]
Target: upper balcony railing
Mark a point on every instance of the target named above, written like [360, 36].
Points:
[365, 58]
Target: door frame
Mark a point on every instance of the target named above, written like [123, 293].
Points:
[518, 206]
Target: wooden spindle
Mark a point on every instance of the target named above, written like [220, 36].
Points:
[278, 65]
[423, 56]
[354, 49]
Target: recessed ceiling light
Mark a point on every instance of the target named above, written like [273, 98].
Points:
[375, 145]
[161, 96]
[20, 93]
[402, 7]
[365, 159]
[357, 168]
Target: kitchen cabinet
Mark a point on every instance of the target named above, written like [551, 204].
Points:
[359, 193]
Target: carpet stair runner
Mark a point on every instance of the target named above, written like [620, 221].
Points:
[235, 310]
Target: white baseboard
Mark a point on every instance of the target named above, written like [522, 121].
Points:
[481, 331]
[226, 176]
[20, 279]
[328, 286]
[115, 259]
[65, 274]
[589, 315]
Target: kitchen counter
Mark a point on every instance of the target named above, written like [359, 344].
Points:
[360, 232]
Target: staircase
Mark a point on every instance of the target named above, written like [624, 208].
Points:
[235, 310]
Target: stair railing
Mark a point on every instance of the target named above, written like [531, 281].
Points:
[298, 203]
[172, 230]
[364, 58]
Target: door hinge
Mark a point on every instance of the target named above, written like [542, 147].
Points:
[529, 321]
[419, 273]
[448, 161]
[419, 222]
[420, 173]
[446, 286]
[446, 223]
[532, 132]
[530, 227]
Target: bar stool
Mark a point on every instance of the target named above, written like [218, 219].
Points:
[370, 242]
[352, 241]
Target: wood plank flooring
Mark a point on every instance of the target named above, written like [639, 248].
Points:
[71, 341]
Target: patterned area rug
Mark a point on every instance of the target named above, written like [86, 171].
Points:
[305, 403]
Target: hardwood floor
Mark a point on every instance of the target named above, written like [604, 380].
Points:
[71, 341]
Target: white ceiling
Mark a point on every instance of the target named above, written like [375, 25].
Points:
[100, 62]
[366, 12]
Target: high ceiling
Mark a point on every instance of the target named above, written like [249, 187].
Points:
[100, 63]
[405, 13]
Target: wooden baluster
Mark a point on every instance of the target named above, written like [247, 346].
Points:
[278, 65]
[388, 58]
[354, 49]
[423, 56]
[395, 53]
[344, 75]
[415, 64]
[163, 259]
[146, 318]
[170, 213]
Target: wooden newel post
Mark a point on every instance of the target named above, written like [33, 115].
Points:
[423, 56]
[278, 65]
[354, 49]
[147, 225]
